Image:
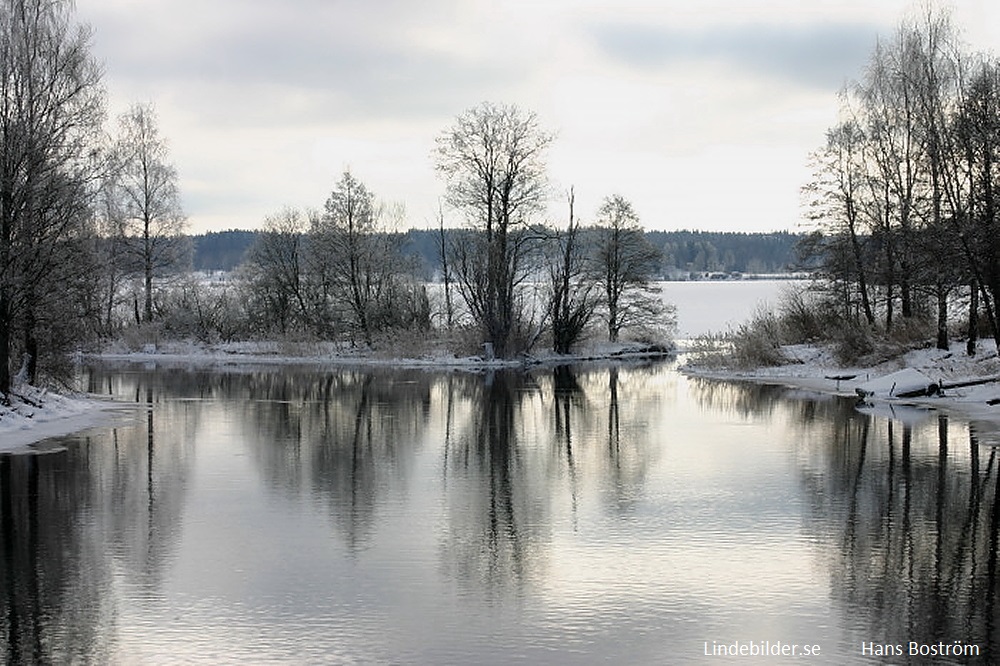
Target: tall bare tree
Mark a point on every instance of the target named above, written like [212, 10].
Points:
[974, 186]
[836, 200]
[150, 199]
[624, 260]
[275, 273]
[574, 295]
[51, 106]
[493, 162]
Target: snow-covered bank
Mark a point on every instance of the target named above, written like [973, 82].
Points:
[815, 369]
[34, 415]
[325, 355]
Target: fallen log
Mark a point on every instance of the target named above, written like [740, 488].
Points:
[970, 382]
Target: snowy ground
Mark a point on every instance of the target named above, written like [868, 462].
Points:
[323, 354]
[815, 369]
[35, 414]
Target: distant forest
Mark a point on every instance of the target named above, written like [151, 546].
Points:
[683, 251]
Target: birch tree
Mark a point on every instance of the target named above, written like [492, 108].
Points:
[147, 182]
[51, 106]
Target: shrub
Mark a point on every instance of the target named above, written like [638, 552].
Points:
[804, 317]
[757, 343]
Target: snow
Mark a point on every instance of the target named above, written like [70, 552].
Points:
[815, 369]
[330, 355]
[908, 382]
[35, 414]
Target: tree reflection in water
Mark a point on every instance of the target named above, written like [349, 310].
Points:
[494, 499]
[63, 543]
[505, 476]
[906, 522]
[344, 439]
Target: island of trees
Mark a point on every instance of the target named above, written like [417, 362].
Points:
[93, 245]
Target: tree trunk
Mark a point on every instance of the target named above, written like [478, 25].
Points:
[942, 317]
[148, 311]
[30, 345]
[973, 337]
[5, 324]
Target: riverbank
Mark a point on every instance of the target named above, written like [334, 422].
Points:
[35, 414]
[331, 355]
[814, 368]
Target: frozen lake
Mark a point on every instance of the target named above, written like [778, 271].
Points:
[594, 515]
[713, 306]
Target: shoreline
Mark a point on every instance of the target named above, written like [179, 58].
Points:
[23, 426]
[40, 415]
[814, 369]
[623, 352]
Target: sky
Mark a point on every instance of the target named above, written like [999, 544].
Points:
[702, 113]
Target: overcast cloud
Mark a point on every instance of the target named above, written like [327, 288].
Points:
[702, 113]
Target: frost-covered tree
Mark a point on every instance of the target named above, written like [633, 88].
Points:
[275, 276]
[355, 247]
[493, 162]
[51, 107]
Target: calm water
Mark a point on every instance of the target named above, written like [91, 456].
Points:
[566, 516]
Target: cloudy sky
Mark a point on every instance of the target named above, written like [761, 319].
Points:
[701, 112]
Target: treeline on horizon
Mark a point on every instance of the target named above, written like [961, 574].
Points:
[683, 251]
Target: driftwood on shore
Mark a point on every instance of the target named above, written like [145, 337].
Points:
[910, 383]
[970, 382]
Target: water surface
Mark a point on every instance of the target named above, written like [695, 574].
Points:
[562, 516]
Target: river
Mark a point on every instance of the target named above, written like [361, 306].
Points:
[574, 515]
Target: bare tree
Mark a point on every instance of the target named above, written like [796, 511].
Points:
[361, 257]
[110, 245]
[836, 200]
[574, 294]
[492, 160]
[50, 111]
[624, 260]
[150, 199]
[977, 131]
[274, 271]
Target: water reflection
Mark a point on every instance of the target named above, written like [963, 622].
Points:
[904, 505]
[79, 520]
[914, 519]
[341, 439]
[563, 515]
